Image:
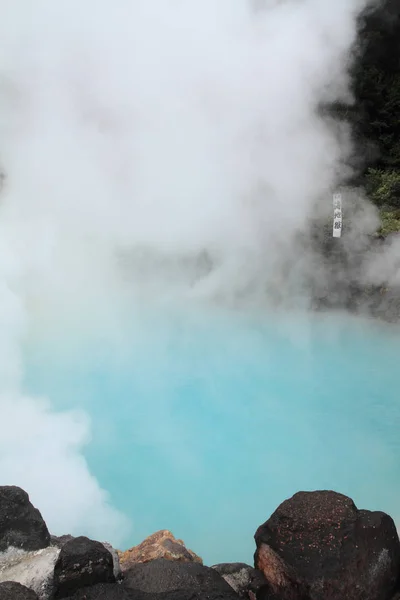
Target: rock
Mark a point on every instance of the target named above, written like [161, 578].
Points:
[82, 562]
[116, 564]
[121, 592]
[266, 593]
[59, 542]
[161, 544]
[184, 594]
[283, 581]
[21, 525]
[10, 590]
[34, 570]
[106, 591]
[323, 541]
[161, 575]
[241, 577]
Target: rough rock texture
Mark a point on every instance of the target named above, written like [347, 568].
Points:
[21, 525]
[34, 570]
[120, 592]
[106, 591]
[325, 542]
[185, 594]
[283, 582]
[241, 577]
[161, 575]
[10, 590]
[59, 542]
[116, 564]
[266, 593]
[82, 562]
[161, 544]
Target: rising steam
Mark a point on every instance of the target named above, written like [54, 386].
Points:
[151, 149]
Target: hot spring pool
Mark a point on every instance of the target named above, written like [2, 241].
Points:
[202, 423]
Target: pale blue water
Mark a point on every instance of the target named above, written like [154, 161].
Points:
[211, 419]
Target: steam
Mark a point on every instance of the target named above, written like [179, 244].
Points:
[151, 149]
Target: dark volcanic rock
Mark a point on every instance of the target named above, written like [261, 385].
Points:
[121, 592]
[283, 581]
[186, 580]
[340, 552]
[186, 594]
[82, 562]
[10, 590]
[60, 541]
[241, 577]
[106, 591]
[266, 593]
[21, 524]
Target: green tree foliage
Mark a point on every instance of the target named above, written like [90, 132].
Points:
[383, 187]
[375, 116]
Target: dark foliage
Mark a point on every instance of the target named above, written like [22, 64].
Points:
[375, 116]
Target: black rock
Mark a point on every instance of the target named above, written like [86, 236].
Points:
[106, 591]
[115, 591]
[340, 552]
[180, 580]
[241, 577]
[82, 562]
[184, 594]
[10, 590]
[60, 541]
[265, 593]
[187, 594]
[21, 524]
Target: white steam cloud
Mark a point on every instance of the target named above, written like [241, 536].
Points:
[149, 147]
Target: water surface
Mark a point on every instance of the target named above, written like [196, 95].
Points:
[204, 421]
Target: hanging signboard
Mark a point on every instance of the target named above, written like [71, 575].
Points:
[337, 215]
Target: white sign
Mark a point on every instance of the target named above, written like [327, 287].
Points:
[337, 215]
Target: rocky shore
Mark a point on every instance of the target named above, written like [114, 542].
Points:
[315, 546]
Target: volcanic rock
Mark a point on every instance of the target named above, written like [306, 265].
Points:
[10, 590]
[120, 592]
[82, 562]
[241, 577]
[116, 564]
[283, 581]
[106, 591]
[161, 544]
[186, 578]
[60, 541]
[326, 543]
[35, 570]
[21, 525]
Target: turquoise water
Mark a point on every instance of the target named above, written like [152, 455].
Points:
[204, 421]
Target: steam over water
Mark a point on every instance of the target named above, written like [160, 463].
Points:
[210, 419]
[162, 160]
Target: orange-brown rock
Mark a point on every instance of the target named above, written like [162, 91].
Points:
[337, 550]
[282, 579]
[161, 544]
